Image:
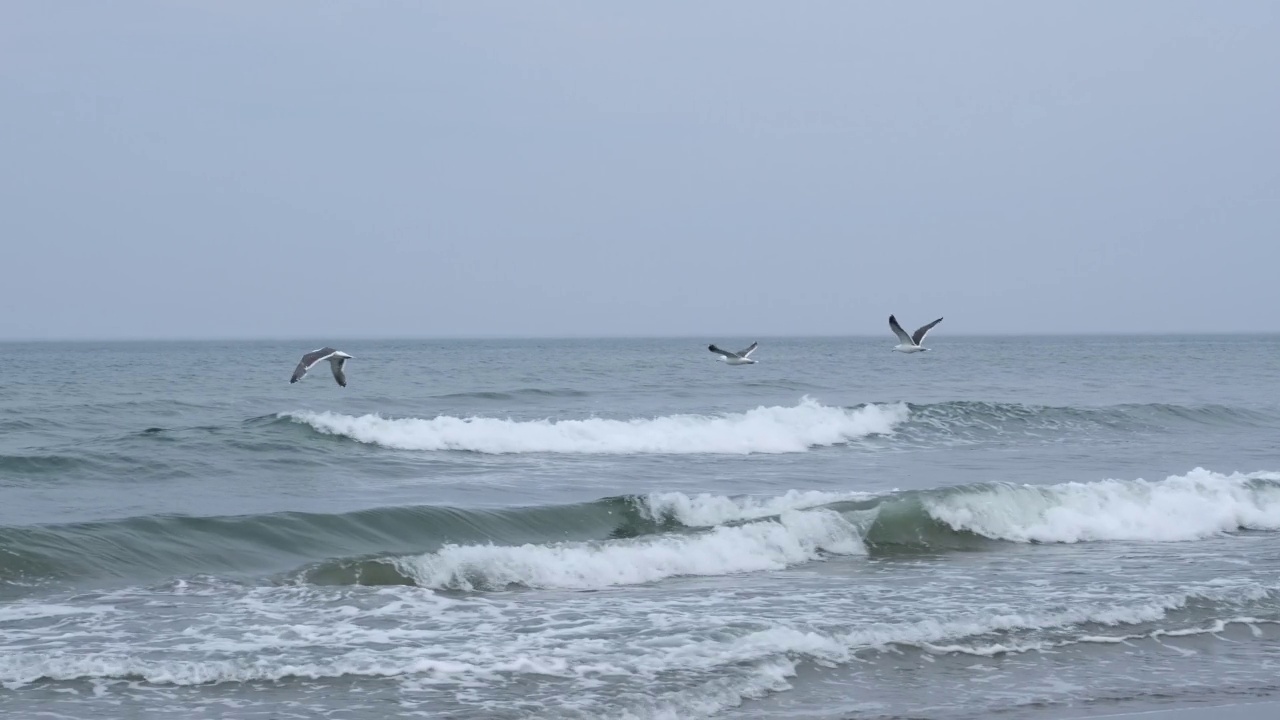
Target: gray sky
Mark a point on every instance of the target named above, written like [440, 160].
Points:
[329, 170]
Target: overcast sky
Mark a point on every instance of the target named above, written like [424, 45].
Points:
[404, 169]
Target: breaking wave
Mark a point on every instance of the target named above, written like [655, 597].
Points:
[640, 538]
[792, 538]
[762, 430]
[1189, 507]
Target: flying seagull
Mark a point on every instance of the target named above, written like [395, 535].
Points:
[336, 359]
[742, 357]
[910, 343]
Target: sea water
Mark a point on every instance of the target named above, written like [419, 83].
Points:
[1000, 527]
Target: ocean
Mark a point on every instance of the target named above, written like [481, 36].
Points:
[1012, 527]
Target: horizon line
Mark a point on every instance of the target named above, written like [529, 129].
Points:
[642, 336]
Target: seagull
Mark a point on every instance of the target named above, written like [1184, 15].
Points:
[742, 357]
[910, 343]
[336, 359]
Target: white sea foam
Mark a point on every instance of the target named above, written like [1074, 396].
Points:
[34, 610]
[631, 655]
[794, 537]
[21, 669]
[762, 430]
[247, 641]
[708, 510]
[1197, 505]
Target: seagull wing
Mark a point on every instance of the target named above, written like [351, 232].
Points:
[718, 351]
[336, 363]
[309, 360]
[747, 353]
[897, 330]
[918, 337]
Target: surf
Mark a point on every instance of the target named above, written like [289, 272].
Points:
[774, 430]
[632, 539]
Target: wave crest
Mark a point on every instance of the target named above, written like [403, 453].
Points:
[1197, 505]
[793, 537]
[651, 537]
[774, 429]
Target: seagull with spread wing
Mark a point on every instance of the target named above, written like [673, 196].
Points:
[336, 360]
[742, 357]
[910, 343]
